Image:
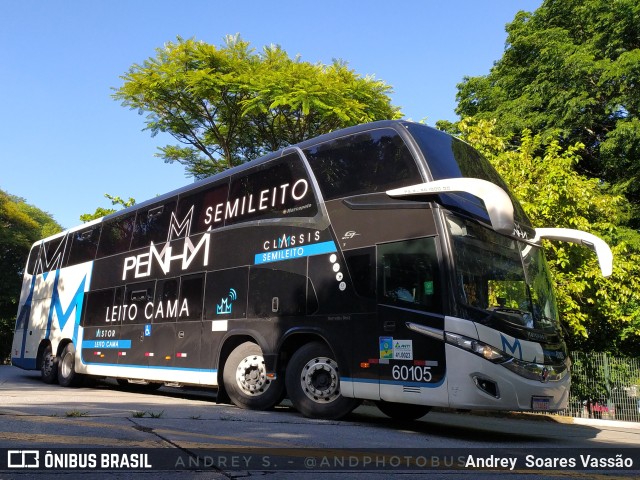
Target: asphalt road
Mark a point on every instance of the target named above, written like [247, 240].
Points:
[185, 432]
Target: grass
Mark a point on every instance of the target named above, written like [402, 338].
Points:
[137, 414]
[76, 413]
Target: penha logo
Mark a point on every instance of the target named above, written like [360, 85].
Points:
[226, 304]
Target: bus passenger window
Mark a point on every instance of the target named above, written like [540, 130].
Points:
[201, 211]
[116, 236]
[101, 309]
[33, 258]
[165, 306]
[138, 299]
[51, 254]
[361, 265]
[367, 162]
[408, 274]
[191, 297]
[152, 225]
[84, 245]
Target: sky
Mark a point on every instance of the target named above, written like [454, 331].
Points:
[65, 142]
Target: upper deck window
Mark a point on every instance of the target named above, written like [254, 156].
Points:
[448, 157]
[51, 255]
[196, 211]
[366, 162]
[276, 189]
[152, 225]
[84, 245]
[116, 236]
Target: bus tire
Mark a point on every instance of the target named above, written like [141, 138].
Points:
[313, 383]
[67, 375]
[49, 366]
[246, 382]
[402, 411]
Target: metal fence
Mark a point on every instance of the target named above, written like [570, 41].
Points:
[604, 387]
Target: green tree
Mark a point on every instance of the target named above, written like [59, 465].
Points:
[226, 105]
[101, 212]
[601, 314]
[570, 70]
[21, 224]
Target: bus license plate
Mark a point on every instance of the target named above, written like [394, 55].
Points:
[540, 403]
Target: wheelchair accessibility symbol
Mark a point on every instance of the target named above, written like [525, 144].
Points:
[147, 330]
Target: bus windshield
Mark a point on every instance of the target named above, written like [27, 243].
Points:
[502, 279]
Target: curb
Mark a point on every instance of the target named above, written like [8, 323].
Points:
[541, 417]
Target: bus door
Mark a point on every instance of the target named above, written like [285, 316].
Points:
[411, 365]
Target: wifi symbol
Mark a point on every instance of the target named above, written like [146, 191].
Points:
[232, 294]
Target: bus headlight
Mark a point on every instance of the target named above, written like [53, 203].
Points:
[475, 346]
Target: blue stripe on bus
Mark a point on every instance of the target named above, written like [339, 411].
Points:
[295, 252]
[93, 344]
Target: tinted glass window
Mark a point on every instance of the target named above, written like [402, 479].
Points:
[51, 254]
[152, 225]
[136, 298]
[275, 189]
[84, 245]
[361, 265]
[367, 162]
[116, 236]
[165, 306]
[408, 274]
[33, 258]
[196, 211]
[191, 297]
[100, 309]
[448, 157]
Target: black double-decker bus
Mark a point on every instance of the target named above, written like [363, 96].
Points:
[385, 262]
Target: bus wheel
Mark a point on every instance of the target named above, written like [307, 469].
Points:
[313, 383]
[246, 382]
[49, 366]
[67, 376]
[402, 411]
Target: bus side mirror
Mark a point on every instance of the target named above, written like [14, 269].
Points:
[496, 200]
[605, 256]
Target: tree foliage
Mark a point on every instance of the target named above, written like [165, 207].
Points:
[101, 212]
[601, 314]
[21, 224]
[570, 70]
[228, 104]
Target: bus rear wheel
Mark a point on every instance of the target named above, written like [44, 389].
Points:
[313, 383]
[246, 382]
[67, 375]
[402, 411]
[49, 366]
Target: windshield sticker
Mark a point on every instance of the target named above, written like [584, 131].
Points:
[386, 347]
[403, 349]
